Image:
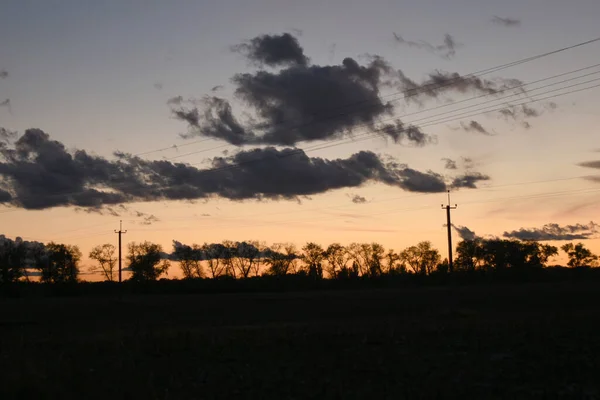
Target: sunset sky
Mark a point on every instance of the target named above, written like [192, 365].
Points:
[518, 147]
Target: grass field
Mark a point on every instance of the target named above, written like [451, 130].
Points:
[484, 341]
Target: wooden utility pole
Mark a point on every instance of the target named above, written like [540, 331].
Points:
[449, 224]
[120, 232]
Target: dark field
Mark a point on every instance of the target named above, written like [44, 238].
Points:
[503, 341]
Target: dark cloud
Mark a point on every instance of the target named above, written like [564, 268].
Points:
[5, 197]
[511, 22]
[158, 86]
[411, 134]
[7, 136]
[3, 74]
[356, 199]
[289, 105]
[441, 82]
[445, 50]
[449, 163]
[464, 233]
[216, 88]
[175, 101]
[273, 50]
[555, 232]
[475, 126]
[469, 180]
[424, 182]
[590, 164]
[594, 165]
[149, 219]
[5, 103]
[38, 172]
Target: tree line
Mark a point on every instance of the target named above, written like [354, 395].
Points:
[146, 261]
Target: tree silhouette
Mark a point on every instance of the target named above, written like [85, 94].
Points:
[470, 255]
[579, 256]
[313, 256]
[190, 259]
[337, 259]
[105, 256]
[281, 259]
[244, 256]
[392, 260]
[499, 254]
[146, 262]
[214, 254]
[13, 259]
[60, 263]
[422, 258]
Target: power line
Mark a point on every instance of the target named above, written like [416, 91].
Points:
[369, 134]
[413, 92]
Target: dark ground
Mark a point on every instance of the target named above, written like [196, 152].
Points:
[504, 341]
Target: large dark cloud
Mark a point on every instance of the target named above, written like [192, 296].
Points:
[300, 102]
[510, 22]
[38, 172]
[555, 232]
[446, 50]
[273, 50]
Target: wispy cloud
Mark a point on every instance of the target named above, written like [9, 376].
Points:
[509, 22]
[446, 50]
[555, 232]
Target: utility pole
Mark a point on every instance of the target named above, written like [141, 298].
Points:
[120, 232]
[449, 223]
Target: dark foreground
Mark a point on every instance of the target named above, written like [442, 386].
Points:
[505, 341]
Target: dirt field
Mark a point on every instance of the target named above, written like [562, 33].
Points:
[505, 341]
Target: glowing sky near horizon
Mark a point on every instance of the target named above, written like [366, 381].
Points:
[97, 76]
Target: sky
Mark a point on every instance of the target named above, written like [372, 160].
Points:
[118, 106]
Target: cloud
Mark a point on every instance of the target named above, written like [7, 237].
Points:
[299, 102]
[475, 126]
[3, 74]
[590, 164]
[445, 50]
[410, 135]
[289, 106]
[449, 163]
[175, 101]
[356, 199]
[465, 233]
[469, 180]
[38, 173]
[273, 50]
[510, 22]
[521, 113]
[149, 219]
[7, 136]
[555, 232]
[442, 82]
